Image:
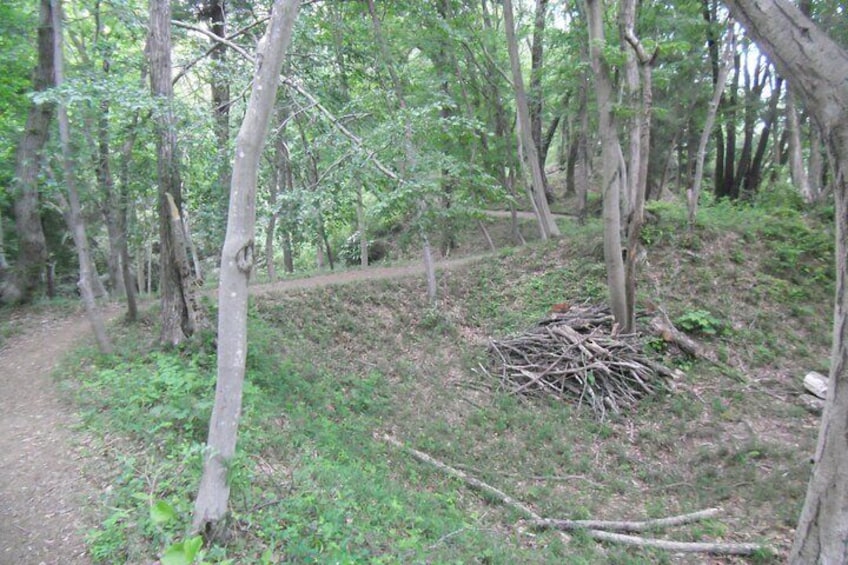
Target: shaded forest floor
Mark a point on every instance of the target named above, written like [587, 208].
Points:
[333, 367]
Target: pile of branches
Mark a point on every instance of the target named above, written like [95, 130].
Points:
[580, 355]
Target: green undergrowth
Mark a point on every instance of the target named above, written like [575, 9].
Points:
[332, 370]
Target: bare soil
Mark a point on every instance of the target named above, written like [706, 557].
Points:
[42, 489]
[45, 498]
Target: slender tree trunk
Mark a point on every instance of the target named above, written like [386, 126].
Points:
[236, 265]
[817, 67]
[361, 225]
[177, 302]
[409, 154]
[32, 246]
[536, 97]
[639, 156]
[815, 164]
[74, 213]
[796, 158]
[754, 173]
[547, 224]
[694, 192]
[611, 156]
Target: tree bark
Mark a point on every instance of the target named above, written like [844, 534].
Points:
[547, 224]
[817, 67]
[236, 265]
[796, 157]
[639, 155]
[177, 315]
[612, 173]
[215, 13]
[74, 211]
[32, 245]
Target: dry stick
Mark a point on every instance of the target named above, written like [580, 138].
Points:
[624, 526]
[476, 483]
[680, 546]
[687, 547]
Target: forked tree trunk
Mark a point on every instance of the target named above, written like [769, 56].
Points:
[74, 212]
[32, 246]
[641, 85]
[236, 265]
[547, 224]
[612, 169]
[818, 70]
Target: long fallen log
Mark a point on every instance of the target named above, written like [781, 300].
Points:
[623, 526]
[596, 529]
[680, 546]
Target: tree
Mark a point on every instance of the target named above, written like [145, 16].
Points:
[32, 249]
[175, 285]
[410, 153]
[817, 70]
[236, 265]
[530, 158]
[613, 168]
[74, 209]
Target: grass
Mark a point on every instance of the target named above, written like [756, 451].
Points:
[331, 368]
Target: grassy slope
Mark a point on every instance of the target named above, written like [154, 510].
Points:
[330, 368]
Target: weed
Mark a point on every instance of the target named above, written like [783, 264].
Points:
[700, 321]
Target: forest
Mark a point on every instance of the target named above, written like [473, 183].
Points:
[448, 281]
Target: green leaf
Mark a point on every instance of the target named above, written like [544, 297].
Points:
[176, 555]
[162, 512]
[191, 548]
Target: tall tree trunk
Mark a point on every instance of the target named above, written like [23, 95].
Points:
[215, 12]
[582, 163]
[815, 164]
[817, 67]
[639, 156]
[796, 157]
[32, 246]
[74, 212]
[754, 172]
[547, 224]
[611, 156]
[725, 166]
[694, 191]
[536, 97]
[236, 265]
[175, 286]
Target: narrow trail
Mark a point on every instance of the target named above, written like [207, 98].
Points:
[44, 496]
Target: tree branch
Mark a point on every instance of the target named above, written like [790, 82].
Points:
[624, 526]
[680, 546]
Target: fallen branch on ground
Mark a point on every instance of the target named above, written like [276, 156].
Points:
[623, 526]
[680, 546]
[596, 529]
[475, 483]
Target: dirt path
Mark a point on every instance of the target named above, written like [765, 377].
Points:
[41, 486]
[42, 489]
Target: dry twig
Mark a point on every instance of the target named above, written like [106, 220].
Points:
[578, 354]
